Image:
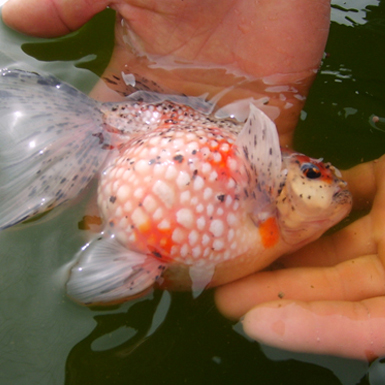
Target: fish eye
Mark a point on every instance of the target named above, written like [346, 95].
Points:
[310, 170]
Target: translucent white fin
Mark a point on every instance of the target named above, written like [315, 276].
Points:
[107, 272]
[201, 276]
[259, 142]
[239, 109]
[51, 144]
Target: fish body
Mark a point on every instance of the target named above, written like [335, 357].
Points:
[188, 200]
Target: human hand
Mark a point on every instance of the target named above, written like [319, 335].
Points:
[250, 49]
[328, 297]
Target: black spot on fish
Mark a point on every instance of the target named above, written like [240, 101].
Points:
[171, 121]
[221, 197]
[5, 94]
[32, 192]
[178, 158]
[100, 136]
[48, 82]
[112, 199]
[246, 152]
[156, 254]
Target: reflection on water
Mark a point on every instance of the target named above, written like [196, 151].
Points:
[171, 338]
[352, 12]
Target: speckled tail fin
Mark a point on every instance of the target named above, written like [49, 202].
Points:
[51, 144]
[259, 142]
[108, 273]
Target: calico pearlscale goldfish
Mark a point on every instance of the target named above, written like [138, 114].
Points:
[187, 199]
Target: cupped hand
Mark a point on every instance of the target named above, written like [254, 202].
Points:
[328, 297]
[269, 48]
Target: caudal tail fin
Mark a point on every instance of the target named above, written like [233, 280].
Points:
[51, 144]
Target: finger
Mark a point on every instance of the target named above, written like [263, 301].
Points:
[345, 282]
[351, 242]
[363, 181]
[49, 18]
[350, 329]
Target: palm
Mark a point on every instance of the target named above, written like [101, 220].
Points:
[268, 48]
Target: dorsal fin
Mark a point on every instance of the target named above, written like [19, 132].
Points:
[259, 142]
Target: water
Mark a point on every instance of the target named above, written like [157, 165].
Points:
[167, 338]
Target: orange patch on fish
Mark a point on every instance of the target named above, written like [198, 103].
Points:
[269, 232]
[158, 241]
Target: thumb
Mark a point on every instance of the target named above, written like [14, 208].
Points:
[50, 18]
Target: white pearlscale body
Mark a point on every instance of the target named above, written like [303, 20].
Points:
[180, 195]
[180, 190]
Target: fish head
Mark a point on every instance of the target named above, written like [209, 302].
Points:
[313, 197]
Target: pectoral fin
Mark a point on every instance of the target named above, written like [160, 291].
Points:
[201, 276]
[108, 273]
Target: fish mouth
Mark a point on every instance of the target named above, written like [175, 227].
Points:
[340, 207]
[342, 195]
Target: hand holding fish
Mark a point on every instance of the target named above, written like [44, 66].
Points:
[272, 51]
[266, 50]
[329, 296]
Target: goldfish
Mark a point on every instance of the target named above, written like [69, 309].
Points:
[188, 200]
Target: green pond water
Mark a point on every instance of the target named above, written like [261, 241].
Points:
[171, 338]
